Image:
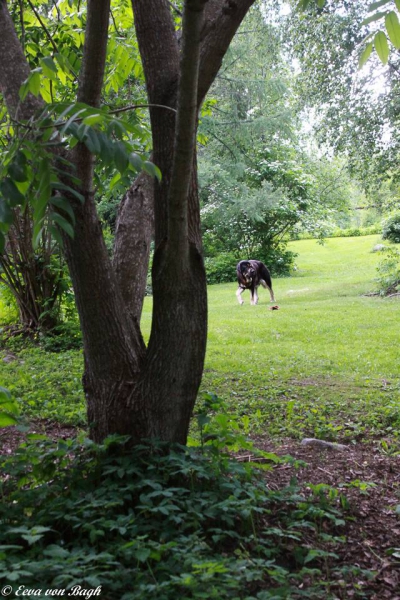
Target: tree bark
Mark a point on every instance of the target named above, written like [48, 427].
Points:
[145, 393]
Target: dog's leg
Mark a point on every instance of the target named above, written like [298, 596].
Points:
[267, 287]
[254, 297]
[271, 293]
[239, 293]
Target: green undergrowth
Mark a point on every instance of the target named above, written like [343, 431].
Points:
[46, 385]
[193, 523]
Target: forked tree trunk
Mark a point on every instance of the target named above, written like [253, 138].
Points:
[130, 389]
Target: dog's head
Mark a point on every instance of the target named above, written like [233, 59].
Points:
[248, 271]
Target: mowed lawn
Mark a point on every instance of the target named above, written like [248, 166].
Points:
[326, 362]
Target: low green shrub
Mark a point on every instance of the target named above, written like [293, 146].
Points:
[65, 336]
[346, 232]
[222, 268]
[192, 523]
[46, 385]
[391, 229]
[389, 272]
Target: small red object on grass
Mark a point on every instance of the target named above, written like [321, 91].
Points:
[276, 307]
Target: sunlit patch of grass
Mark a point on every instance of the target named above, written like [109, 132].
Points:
[326, 330]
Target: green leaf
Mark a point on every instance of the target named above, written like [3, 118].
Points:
[136, 161]
[116, 128]
[152, 170]
[382, 46]
[6, 214]
[397, 2]
[366, 53]
[56, 551]
[121, 157]
[17, 169]
[93, 119]
[49, 62]
[91, 141]
[63, 204]
[6, 420]
[378, 4]
[44, 190]
[32, 539]
[56, 235]
[106, 148]
[321, 3]
[142, 554]
[372, 18]
[34, 83]
[66, 128]
[64, 224]
[49, 68]
[10, 192]
[37, 233]
[10, 407]
[4, 394]
[57, 185]
[393, 28]
[302, 5]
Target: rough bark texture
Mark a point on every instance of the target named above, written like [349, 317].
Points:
[133, 234]
[14, 69]
[130, 389]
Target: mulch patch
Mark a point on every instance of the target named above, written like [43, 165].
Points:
[375, 528]
[11, 438]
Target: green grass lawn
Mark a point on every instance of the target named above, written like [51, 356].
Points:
[325, 364]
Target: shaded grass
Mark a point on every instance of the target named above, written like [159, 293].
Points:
[325, 364]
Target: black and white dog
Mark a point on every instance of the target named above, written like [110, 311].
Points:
[252, 273]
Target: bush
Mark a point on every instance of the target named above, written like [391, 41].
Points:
[389, 272]
[222, 268]
[66, 336]
[339, 232]
[391, 229]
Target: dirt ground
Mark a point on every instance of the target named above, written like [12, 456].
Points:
[376, 526]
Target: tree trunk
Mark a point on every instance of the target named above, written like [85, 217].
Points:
[146, 392]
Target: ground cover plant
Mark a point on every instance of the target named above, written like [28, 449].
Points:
[193, 522]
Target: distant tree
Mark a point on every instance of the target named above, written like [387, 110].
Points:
[354, 111]
[259, 179]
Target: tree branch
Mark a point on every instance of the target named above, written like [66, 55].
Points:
[186, 126]
[222, 19]
[94, 52]
[14, 69]
[43, 26]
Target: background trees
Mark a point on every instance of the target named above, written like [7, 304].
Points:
[262, 177]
